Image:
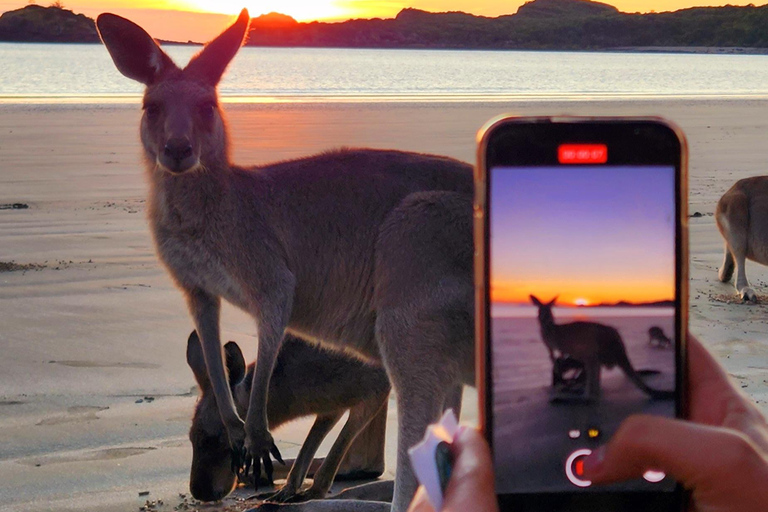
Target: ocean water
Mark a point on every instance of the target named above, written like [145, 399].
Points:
[54, 72]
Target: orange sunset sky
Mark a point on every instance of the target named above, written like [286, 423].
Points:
[199, 20]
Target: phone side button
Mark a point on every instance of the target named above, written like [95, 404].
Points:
[574, 468]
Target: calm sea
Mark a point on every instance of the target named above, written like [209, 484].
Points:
[85, 72]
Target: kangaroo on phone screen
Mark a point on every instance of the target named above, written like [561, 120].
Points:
[595, 345]
[657, 338]
[303, 246]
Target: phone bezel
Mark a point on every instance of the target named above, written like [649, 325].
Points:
[533, 141]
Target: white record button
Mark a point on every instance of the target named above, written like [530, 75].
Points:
[654, 476]
[574, 468]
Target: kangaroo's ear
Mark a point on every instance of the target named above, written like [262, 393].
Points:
[235, 363]
[196, 361]
[535, 300]
[552, 302]
[134, 52]
[209, 65]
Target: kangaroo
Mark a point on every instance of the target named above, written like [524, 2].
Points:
[596, 345]
[306, 380]
[741, 218]
[303, 246]
[657, 338]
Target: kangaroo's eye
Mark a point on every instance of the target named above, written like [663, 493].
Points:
[208, 110]
[152, 111]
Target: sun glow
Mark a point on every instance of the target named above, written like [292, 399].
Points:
[301, 10]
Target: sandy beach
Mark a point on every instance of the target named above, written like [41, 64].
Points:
[95, 394]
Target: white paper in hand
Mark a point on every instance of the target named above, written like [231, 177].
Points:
[423, 456]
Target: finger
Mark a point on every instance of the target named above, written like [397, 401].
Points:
[420, 502]
[716, 400]
[681, 449]
[276, 454]
[471, 486]
[269, 470]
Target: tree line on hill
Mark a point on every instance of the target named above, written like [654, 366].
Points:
[538, 25]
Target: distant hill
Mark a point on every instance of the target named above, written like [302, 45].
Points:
[625, 304]
[540, 24]
[38, 24]
[537, 25]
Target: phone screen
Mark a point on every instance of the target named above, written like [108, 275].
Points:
[582, 290]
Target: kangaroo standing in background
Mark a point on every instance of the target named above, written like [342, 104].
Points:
[596, 345]
[307, 380]
[742, 218]
[317, 246]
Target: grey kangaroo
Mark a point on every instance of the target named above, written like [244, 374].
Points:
[318, 247]
[596, 345]
[742, 218]
[306, 380]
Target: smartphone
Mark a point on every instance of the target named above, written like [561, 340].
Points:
[582, 298]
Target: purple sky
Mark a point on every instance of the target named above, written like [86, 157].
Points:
[599, 233]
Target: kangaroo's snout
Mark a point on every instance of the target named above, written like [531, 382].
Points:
[178, 155]
[207, 490]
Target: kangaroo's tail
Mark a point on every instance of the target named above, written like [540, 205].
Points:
[634, 376]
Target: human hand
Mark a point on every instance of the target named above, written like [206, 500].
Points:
[471, 486]
[720, 454]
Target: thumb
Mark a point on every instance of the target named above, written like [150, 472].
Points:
[684, 450]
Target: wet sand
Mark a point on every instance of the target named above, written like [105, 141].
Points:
[91, 325]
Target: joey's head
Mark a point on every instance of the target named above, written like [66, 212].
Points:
[211, 476]
[545, 309]
[182, 128]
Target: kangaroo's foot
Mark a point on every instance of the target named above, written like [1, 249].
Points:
[313, 493]
[259, 445]
[747, 294]
[285, 495]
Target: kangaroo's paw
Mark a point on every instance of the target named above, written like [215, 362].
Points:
[259, 445]
[748, 294]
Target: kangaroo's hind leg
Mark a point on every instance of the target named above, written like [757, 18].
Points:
[359, 417]
[320, 428]
[726, 269]
[732, 219]
[424, 372]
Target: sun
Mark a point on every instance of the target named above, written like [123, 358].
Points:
[301, 10]
[581, 301]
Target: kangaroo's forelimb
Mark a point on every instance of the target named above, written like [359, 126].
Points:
[205, 311]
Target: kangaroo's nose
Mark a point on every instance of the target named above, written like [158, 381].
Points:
[178, 149]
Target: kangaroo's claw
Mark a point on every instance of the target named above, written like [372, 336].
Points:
[248, 461]
[276, 454]
[238, 459]
[269, 469]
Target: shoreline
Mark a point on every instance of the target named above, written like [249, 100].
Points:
[469, 99]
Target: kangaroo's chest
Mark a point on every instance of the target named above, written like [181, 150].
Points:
[196, 261]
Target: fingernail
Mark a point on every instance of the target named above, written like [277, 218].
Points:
[593, 464]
